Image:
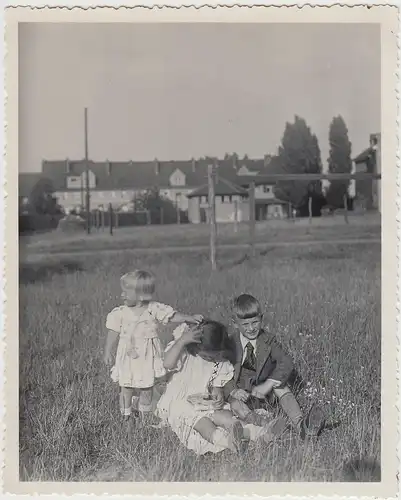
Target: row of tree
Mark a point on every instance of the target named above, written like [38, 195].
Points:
[299, 153]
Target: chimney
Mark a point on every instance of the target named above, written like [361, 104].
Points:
[67, 166]
[235, 162]
[193, 161]
[216, 170]
[373, 140]
[108, 167]
[157, 166]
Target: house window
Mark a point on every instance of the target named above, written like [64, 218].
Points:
[230, 199]
[203, 199]
[113, 194]
[267, 189]
[223, 199]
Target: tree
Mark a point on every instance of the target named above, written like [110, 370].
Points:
[42, 200]
[156, 204]
[299, 153]
[339, 161]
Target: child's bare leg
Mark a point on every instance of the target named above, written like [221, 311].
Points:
[145, 400]
[226, 420]
[126, 394]
[214, 434]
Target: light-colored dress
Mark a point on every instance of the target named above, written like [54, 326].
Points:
[139, 358]
[193, 375]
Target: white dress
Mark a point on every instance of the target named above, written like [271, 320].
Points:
[191, 376]
[139, 358]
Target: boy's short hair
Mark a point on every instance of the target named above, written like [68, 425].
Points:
[246, 306]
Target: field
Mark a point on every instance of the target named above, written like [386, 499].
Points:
[322, 301]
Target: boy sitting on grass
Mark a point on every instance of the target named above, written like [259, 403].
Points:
[262, 370]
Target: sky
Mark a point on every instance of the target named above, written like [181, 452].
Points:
[177, 91]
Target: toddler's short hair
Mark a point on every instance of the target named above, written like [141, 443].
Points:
[142, 282]
[245, 306]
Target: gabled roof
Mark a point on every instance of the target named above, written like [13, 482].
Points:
[125, 175]
[149, 174]
[364, 156]
[222, 187]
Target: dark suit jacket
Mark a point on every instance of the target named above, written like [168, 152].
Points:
[271, 362]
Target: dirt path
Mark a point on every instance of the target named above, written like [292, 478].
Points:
[28, 255]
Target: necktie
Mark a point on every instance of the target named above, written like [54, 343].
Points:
[250, 360]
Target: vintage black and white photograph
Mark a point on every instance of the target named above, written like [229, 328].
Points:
[200, 251]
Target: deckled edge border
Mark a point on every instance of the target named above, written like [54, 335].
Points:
[3, 208]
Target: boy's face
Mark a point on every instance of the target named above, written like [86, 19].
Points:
[250, 327]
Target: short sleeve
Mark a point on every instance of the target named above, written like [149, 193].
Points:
[161, 312]
[224, 375]
[177, 334]
[114, 320]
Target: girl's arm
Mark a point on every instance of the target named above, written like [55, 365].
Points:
[111, 340]
[173, 354]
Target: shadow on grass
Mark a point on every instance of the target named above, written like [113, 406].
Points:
[40, 271]
[362, 470]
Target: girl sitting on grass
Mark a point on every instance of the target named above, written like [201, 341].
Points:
[193, 403]
[139, 358]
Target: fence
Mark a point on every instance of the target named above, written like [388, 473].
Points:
[100, 220]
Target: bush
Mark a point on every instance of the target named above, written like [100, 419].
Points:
[71, 223]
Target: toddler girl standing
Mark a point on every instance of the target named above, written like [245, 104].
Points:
[138, 362]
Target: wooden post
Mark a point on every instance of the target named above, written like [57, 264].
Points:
[212, 216]
[148, 218]
[236, 216]
[310, 209]
[88, 212]
[252, 218]
[177, 207]
[346, 209]
[102, 218]
[97, 219]
[290, 210]
[116, 215]
[111, 219]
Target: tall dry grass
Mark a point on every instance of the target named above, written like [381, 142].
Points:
[323, 304]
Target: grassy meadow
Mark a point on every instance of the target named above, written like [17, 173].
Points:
[323, 303]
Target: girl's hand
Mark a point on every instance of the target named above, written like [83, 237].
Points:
[198, 318]
[108, 359]
[190, 336]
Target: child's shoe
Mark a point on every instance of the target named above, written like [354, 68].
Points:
[313, 424]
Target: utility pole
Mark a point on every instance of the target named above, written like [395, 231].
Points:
[88, 222]
[212, 214]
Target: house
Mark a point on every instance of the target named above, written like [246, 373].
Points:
[230, 202]
[119, 183]
[367, 192]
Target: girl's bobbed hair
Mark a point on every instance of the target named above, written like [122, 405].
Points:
[142, 282]
[214, 340]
